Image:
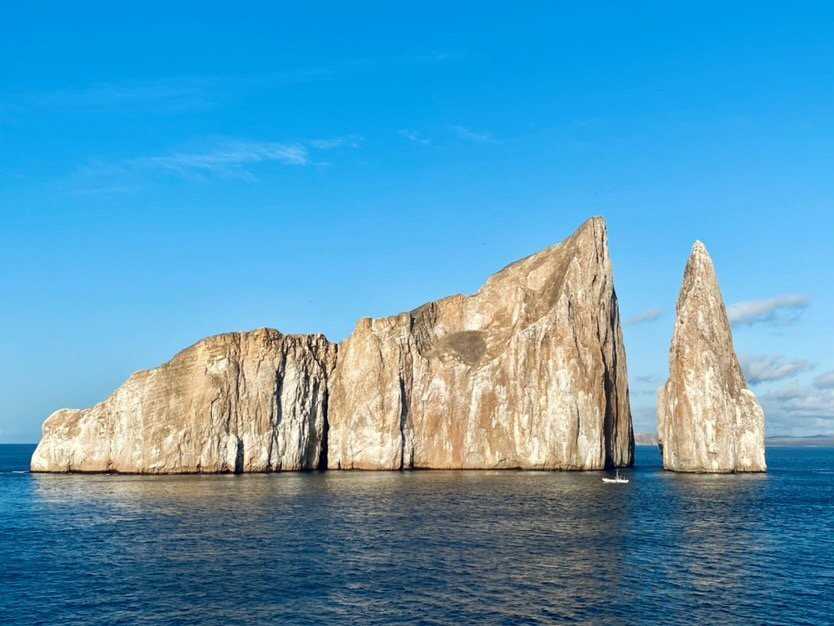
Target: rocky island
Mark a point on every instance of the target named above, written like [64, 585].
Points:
[530, 372]
[708, 420]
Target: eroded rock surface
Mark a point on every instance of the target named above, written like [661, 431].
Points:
[708, 421]
[250, 402]
[530, 372]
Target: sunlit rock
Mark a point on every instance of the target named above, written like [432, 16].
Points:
[250, 402]
[530, 372]
[708, 420]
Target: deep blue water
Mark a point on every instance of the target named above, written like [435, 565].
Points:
[429, 547]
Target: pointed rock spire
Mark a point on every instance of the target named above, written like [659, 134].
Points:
[708, 421]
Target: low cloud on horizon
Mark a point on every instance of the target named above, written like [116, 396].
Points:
[799, 410]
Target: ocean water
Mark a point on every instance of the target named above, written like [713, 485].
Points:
[429, 547]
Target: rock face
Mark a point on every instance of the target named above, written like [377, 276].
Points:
[530, 372]
[708, 421]
[238, 402]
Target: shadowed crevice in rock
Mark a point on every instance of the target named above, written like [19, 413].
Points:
[239, 458]
[324, 437]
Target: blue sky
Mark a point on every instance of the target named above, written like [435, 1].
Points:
[174, 171]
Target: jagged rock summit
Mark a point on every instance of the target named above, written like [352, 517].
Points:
[530, 372]
[708, 421]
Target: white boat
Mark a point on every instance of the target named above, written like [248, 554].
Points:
[616, 479]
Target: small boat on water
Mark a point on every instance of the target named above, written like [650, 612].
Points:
[616, 479]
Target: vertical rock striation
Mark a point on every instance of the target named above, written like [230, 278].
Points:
[250, 402]
[708, 421]
[530, 372]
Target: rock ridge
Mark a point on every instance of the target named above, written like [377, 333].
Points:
[236, 402]
[529, 372]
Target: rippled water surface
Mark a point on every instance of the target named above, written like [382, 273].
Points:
[433, 547]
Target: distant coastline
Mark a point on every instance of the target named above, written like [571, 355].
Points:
[817, 441]
[775, 441]
[645, 439]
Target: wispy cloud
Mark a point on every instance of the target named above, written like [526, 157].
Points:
[187, 93]
[163, 95]
[436, 57]
[647, 379]
[348, 141]
[650, 315]
[104, 190]
[230, 159]
[223, 158]
[782, 309]
[644, 385]
[169, 95]
[414, 137]
[771, 367]
[825, 380]
[467, 134]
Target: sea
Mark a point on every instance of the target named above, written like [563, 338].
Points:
[424, 547]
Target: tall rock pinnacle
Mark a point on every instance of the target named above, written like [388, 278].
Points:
[708, 421]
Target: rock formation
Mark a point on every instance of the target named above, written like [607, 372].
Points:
[530, 372]
[249, 402]
[708, 421]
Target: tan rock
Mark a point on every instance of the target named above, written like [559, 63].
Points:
[530, 372]
[250, 402]
[708, 421]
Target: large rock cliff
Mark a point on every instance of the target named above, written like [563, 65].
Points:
[708, 421]
[530, 372]
[249, 402]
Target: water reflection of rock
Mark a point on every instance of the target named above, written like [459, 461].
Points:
[436, 547]
[505, 540]
[712, 528]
